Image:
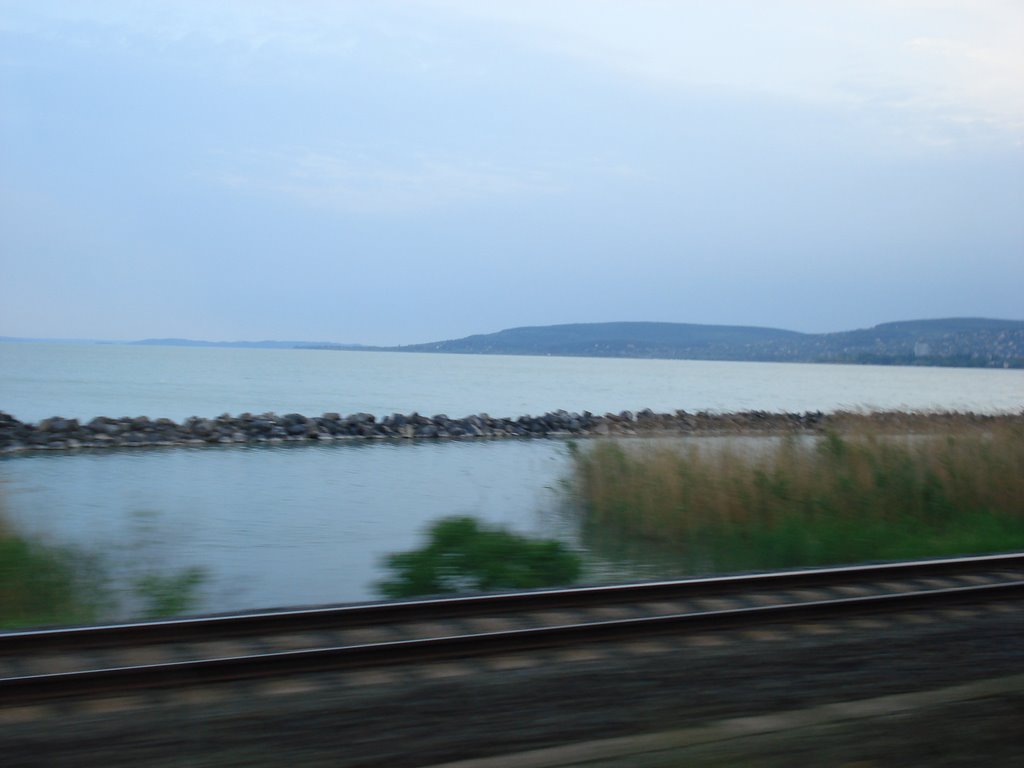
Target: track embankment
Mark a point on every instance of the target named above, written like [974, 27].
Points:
[97, 661]
[492, 706]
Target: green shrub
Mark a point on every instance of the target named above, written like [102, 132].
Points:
[461, 555]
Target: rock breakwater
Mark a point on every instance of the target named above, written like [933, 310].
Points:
[58, 433]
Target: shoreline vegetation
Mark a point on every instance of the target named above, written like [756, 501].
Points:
[46, 584]
[463, 554]
[860, 494]
[58, 433]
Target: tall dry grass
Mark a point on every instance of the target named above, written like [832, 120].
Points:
[804, 501]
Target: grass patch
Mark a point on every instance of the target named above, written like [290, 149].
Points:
[792, 501]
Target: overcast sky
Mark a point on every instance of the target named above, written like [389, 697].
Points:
[398, 172]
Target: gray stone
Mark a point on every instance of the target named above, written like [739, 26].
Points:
[56, 424]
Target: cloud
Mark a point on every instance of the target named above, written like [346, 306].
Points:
[979, 84]
[845, 54]
[953, 63]
[318, 28]
[358, 182]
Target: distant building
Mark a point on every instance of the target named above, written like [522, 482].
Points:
[922, 349]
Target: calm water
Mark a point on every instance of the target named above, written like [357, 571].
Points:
[282, 525]
[310, 524]
[82, 381]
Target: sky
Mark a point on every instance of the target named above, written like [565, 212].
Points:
[401, 172]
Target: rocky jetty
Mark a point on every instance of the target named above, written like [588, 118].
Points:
[59, 433]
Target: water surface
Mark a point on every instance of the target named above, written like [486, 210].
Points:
[310, 524]
[82, 381]
[279, 525]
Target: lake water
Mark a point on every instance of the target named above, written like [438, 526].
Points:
[310, 524]
[82, 381]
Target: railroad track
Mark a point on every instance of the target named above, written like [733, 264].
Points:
[88, 661]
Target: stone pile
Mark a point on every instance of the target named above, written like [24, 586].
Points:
[101, 432]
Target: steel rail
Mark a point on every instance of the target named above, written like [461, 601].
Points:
[205, 671]
[347, 616]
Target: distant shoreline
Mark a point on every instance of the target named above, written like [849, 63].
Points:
[60, 434]
[957, 342]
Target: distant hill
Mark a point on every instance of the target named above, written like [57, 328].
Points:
[245, 344]
[975, 342]
[32, 340]
[633, 339]
[192, 343]
[958, 341]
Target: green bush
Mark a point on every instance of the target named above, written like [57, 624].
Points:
[461, 555]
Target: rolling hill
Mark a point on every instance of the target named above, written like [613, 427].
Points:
[975, 342]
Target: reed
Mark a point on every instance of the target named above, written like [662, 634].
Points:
[799, 501]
